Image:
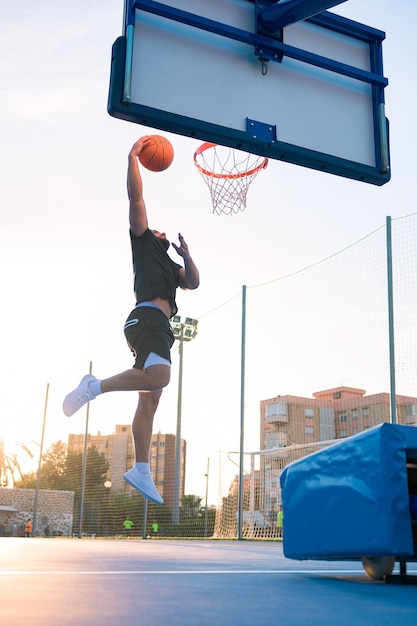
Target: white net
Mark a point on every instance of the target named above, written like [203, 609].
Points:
[228, 174]
[261, 490]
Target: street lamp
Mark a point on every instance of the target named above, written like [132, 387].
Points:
[206, 507]
[183, 331]
[107, 485]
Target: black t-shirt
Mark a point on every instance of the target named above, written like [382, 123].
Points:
[156, 275]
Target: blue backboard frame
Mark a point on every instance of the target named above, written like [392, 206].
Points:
[272, 48]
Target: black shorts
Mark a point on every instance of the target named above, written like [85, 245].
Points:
[147, 329]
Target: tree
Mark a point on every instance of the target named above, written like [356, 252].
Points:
[54, 467]
[96, 473]
[95, 493]
[190, 506]
[61, 469]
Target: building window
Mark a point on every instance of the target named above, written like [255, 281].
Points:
[342, 417]
[276, 409]
[309, 413]
[343, 433]
[272, 440]
[309, 430]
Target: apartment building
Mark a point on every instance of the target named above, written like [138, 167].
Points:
[330, 414]
[119, 451]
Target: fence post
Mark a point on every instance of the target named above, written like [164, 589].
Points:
[393, 403]
[242, 415]
[38, 479]
[84, 466]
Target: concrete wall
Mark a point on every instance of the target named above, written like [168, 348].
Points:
[54, 508]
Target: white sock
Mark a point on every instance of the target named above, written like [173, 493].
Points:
[143, 468]
[95, 387]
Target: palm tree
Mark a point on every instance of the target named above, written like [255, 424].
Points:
[12, 468]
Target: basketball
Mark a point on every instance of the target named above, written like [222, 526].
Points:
[157, 155]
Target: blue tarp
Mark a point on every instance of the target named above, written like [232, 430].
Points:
[351, 499]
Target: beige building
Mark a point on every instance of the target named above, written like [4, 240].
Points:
[119, 451]
[330, 414]
[117, 448]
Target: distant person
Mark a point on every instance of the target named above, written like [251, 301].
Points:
[155, 528]
[28, 528]
[147, 329]
[127, 525]
[280, 521]
[47, 531]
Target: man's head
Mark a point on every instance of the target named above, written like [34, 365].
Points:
[162, 237]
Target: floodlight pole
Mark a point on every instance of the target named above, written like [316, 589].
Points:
[177, 468]
[190, 326]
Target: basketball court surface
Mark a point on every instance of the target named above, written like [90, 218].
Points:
[46, 582]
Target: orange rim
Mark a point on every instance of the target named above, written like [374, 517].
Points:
[206, 146]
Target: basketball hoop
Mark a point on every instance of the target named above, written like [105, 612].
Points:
[228, 174]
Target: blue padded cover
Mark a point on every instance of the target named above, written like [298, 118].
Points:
[351, 499]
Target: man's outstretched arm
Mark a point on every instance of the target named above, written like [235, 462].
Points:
[138, 218]
[189, 275]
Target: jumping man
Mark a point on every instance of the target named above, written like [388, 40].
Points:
[147, 329]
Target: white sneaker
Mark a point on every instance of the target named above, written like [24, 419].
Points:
[144, 484]
[80, 396]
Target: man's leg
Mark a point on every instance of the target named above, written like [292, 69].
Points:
[140, 476]
[153, 378]
[143, 422]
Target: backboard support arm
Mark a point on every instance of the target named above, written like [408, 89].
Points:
[277, 16]
[266, 47]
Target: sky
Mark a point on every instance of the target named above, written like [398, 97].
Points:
[65, 261]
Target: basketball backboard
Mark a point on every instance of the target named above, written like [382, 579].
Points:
[311, 93]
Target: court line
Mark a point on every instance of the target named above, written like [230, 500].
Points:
[172, 572]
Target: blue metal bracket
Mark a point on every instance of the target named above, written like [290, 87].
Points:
[262, 51]
[261, 131]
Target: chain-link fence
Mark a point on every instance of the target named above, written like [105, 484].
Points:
[322, 330]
